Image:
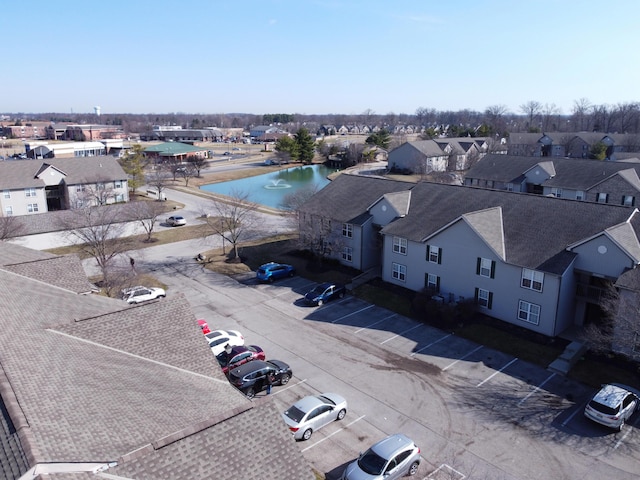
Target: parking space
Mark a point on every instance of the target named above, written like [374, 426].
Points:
[463, 403]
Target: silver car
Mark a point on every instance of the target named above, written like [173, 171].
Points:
[613, 405]
[394, 457]
[314, 412]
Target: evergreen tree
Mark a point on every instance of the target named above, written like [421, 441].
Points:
[381, 139]
[306, 147]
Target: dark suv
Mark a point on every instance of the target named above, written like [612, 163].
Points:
[273, 271]
[250, 378]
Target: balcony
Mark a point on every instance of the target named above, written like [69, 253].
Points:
[590, 293]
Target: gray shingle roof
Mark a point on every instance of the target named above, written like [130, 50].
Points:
[526, 219]
[85, 378]
[65, 272]
[78, 170]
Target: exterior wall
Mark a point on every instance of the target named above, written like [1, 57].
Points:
[564, 193]
[578, 148]
[616, 188]
[370, 246]
[51, 176]
[536, 176]
[112, 193]
[458, 279]
[383, 213]
[602, 257]
[19, 202]
[497, 185]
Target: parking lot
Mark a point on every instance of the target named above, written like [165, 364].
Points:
[474, 412]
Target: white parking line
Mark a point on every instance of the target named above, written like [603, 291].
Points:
[353, 313]
[619, 442]
[537, 388]
[331, 435]
[402, 333]
[450, 473]
[462, 358]
[570, 417]
[289, 385]
[496, 372]
[375, 323]
[431, 344]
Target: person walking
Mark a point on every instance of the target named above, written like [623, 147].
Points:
[268, 380]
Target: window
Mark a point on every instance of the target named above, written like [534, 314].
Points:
[29, 192]
[432, 282]
[7, 194]
[628, 200]
[579, 195]
[8, 210]
[434, 254]
[509, 187]
[602, 197]
[117, 184]
[400, 245]
[529, 312]
[100, 186]
[486, 267]
[489, 183]
[399, 272]
[347, 254]
[80, 188]
[532, 279]
[484, 298]
[119, 197]
[347, 230]
[556, 192]
[32, 207]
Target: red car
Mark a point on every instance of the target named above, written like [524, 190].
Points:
[238, 356]
[204, 326]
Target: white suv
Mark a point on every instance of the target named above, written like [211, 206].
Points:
[142, 294]
[613, 405]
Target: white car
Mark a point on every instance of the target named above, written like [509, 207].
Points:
[142, 294]
[613, 405]
[176, 221]
[219, 339]
[314, 412]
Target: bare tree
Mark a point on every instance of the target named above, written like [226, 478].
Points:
[198, 163]
[10, 227]
[146, 213]
[494, 115]
[100, 233]
[319, 236]
[550, 113]
[159, 179]
[531, 109]
[186, 172]
[581, 110]
[294, 201]
[234, 220]
[619, 329]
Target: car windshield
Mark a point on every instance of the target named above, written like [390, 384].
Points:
[318, 290]
[607, 410]
[294, 414]
[371, 463]
[326, 400]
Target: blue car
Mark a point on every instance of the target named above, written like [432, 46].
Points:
[273, 271]
[325, 292]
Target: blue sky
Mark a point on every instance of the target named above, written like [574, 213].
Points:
[316, 57]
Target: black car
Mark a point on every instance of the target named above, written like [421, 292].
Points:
[251, 378]
[324, 292]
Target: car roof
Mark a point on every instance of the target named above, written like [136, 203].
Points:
[611, 395]
[306, 404]
[243, 370]
[391, 445]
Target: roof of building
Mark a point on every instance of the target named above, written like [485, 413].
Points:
[86, 378]
[573, 173]
[173, 148]
[77, 170]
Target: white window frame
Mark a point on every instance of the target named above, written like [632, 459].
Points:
[580, 195]
[432, 282]
[628, 200]
[7, 193]
[529, 312]
[483, 297]
[32, 207]
[347, 230]
[485, 267]
[30, 192]
[602, 197]
[347, 254]
[434, 254]
[556, 192]
[117, 184]
[400, 245]
[509, 187]
[8, 210]
[532, 279]
[399, 272]
[80, 188]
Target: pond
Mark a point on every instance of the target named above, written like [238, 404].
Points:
[271, 189]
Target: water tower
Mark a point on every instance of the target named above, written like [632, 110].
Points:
[97, 111]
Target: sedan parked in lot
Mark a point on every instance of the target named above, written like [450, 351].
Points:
[394, 457]
[274, 271]
[324, 292]
[237, 356]
[219, 339]
[251, 378]
[613, 405]
[142, 294]
[176, 221]
[314, 412]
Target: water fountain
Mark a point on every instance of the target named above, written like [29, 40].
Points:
[277, 184]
